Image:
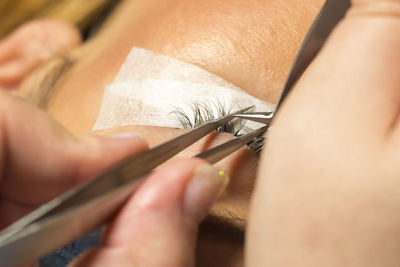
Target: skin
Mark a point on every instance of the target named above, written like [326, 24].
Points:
[20, 172]
[333, 200]
[32, 44]
[258, 62]
[179, 195]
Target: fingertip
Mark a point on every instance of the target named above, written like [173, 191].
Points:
[98, 153]
[129, 137]
[165, 188]
[179, 195]
[129, 142]
[186, 188]
[169, 205]
[205, 186]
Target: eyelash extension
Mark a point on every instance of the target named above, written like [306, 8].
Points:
[203, 112]
[257, 144]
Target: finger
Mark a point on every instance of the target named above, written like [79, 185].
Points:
[39, 159]
[8, 48]
[158, 226]
[334, 123]
[10, 62]
[31, 45]
[355, 77]
[15, 70]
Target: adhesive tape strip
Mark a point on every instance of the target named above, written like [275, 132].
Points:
[150, 86]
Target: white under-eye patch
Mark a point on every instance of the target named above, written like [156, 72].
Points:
[150, 87]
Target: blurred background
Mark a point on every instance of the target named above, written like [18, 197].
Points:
[87, 15]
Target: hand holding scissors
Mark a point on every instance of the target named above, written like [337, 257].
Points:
[168, 206]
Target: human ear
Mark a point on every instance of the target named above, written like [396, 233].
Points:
[32, 44]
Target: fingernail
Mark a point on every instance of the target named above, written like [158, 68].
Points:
[206, 185]
[127, 135]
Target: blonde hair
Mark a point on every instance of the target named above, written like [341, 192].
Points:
[83, 14]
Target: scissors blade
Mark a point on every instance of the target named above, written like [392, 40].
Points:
[261, 117]
[222, 151]
[331, 13]
[81, 209]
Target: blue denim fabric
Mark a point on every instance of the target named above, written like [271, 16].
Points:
[62, 257]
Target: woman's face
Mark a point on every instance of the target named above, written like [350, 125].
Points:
[251, 44]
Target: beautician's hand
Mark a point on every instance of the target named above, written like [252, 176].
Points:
[328, 192]
[157, 227]
[39, 159]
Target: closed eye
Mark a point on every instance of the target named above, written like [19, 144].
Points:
[203, 112]
[41, 85]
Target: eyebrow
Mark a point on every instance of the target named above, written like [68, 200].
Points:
[42, 89]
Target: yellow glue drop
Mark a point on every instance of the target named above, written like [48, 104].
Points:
[221, 173]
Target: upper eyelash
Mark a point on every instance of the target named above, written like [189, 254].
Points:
[202, 112]
[257, 144]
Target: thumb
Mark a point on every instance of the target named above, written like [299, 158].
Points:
[39, 159]
[158, 225]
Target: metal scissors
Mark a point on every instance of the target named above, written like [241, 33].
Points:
[331, 13]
